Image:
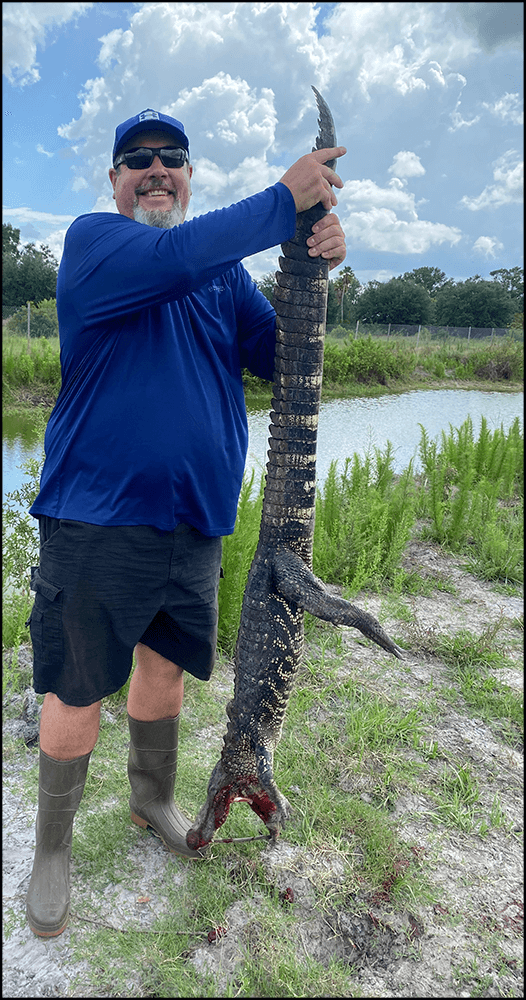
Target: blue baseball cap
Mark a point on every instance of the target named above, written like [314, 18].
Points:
[149, 121]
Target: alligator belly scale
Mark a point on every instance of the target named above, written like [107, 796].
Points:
[281, 585]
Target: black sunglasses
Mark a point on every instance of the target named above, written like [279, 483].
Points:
[142, 158]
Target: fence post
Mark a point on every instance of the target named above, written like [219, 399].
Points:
[388, 331]
[469, 333]
[29, 328]
[418, 335]
[356, 331]
[492, 334]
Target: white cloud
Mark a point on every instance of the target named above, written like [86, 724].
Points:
[252, 174]
[105, 203]
[47, 221]
[229, 112]
[236, 125]
[508, 174]
[406, 164]
[79, 184]
[366, 193]
[24, 27]
[370, 217]
[458, 121]
[380, 229]
[232, 116]
[395, 71]
[263, 263]
[508, 107]
[436, 72]
[25, 214]
[398, 46]
[40, 149]
[487, 245]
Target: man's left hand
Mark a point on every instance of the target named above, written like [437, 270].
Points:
[328, 240]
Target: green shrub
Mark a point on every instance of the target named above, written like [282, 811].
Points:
[43, 320]
[19, 552]
[366, 360]
[338, 332]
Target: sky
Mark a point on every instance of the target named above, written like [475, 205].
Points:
[427, 98]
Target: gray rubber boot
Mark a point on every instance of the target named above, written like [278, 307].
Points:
[152, 767]
[61, 784]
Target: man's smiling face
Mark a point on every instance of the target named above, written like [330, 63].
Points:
[158, 195]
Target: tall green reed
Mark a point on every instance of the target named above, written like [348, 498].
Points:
[364, 518]
[472, 492]
[238, 552]
[39, 366]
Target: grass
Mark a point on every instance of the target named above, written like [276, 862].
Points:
[375, 865]
[347, 755]
[38, 368]
[471, 660]
[382, 360]
[238, 552]
[19, 553]
[469, 657]
[166, 971]
[359, 367]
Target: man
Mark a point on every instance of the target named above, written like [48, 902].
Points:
[145, 452]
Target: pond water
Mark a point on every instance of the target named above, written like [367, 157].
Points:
[346, 426]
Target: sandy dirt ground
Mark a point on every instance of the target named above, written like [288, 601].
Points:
[466, 943]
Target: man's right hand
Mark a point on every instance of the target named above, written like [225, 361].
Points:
[309, 180]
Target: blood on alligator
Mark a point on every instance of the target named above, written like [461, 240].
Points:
[236, 791]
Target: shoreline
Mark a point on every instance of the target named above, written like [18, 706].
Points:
[29, 399]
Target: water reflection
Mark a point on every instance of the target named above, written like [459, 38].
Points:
[347, 426]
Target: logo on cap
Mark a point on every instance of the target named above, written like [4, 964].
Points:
[147, 115]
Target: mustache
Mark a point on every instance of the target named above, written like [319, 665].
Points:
[153, 187]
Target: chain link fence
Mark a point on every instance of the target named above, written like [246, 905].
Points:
[414, 330]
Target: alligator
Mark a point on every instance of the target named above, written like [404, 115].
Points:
[281, 585]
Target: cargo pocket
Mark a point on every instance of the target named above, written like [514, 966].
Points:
[45, 621]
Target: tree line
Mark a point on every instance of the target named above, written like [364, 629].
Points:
[423, 296]
[28, 274]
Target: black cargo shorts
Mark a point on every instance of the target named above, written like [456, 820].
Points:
[101, 590]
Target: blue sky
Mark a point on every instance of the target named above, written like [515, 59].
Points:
[427, 98]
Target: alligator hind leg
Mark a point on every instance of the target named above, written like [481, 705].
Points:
[296, 582]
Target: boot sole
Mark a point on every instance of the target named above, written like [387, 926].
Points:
[40, 932]
[143, 823]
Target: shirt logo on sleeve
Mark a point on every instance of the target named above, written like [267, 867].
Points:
[216, 288]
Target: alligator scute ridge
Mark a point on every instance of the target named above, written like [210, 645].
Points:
[281, 585]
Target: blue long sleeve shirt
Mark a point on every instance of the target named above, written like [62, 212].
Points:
[155, 326]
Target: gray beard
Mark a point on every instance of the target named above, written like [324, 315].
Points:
[157, 217]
